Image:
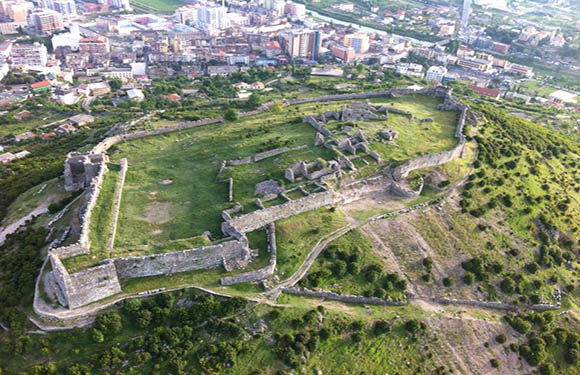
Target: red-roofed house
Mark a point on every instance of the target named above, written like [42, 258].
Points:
[41, 86]
[173, 97]
[484, 91]
[249, 86]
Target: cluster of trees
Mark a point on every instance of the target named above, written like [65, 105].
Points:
[339, 263]
[151, 335]
[543, 339]
[514, 156]
[480, 269]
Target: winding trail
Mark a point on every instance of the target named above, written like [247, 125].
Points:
[310, 258]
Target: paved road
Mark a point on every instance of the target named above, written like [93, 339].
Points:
[13, 227]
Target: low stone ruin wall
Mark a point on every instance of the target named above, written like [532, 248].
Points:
[263, 155]
[117, 202]
[498, 305]
[70, 251]
[104, 145]
[438, 91]
[430, 160]
[318, 126]
[260, 218]
[342, 297]
[262, 273]
[91, 196]
[276, 151]
[235, 251]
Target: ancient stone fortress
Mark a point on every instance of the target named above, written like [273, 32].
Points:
[87, 170]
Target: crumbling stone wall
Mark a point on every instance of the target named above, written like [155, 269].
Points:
[86, 286]
[435, 91]
[107, 143]
[70, 251]
[263, 155]
[262, 273]
[234, 254]
[497, 305]
[348, 298]
[430, 160]
[117, 202]
[318, 126]
[91, 196]
[260, 218]
[81, 168]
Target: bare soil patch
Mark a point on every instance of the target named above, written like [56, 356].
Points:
[461, 346]
[157, 212]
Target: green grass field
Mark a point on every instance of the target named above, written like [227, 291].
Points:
[29, 124]
[157, 216]
[161, 5]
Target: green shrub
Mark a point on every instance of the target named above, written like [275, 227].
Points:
[468, 278]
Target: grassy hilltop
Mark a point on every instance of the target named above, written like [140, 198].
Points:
[505, 229]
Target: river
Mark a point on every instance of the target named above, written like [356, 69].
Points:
[366, 28]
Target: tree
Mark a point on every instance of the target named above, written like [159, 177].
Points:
[339, 268]
[547, 369]
[381, 326]
[78, 369]
[231, 115]
[508, 285]
[109, 323]
[468, 278]
[115, 84]
[254, 101]
[572, 356]
[277, 108]
[97, 336]
[412, 326]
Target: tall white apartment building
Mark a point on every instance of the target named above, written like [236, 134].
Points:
[121, 4]
[26, 55]
[436, 73]
[212, 17]
[64, 7]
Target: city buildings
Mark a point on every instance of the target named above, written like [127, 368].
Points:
[344, 53]
[358, 41]
[436, 73]
[64, 7]
[46, 21]
[303, 44]
[29, 55]
[94, 45]
[212, 17]
[18, 11]
[295, 10]
[187, 14]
